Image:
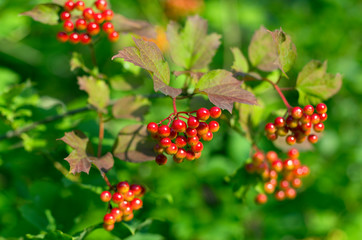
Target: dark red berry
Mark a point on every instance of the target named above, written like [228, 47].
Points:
[215, 112]
[161, 159]
[179, 125]
[62, 37]
[203, 114]
[193, 122]
[85, 38]
[270, 128]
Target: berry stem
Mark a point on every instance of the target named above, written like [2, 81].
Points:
[281, 95]
[174, 106]
[93, 54]
[101, 134]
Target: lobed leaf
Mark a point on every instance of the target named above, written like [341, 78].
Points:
[149, 57]
[314, 84]
[134, 107]
[240, 63]
[223, 89]
[97, 90]
[133, 144]
[139, 27]
[192, 48]
[47, 13]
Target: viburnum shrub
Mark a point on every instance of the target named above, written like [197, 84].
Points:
[236, 98]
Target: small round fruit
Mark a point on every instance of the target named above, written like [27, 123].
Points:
[180, 141]
[173, 134]
[88, 13]
[277, 165]
[80, 24]
[62, 36]
[101, 5]
[108, 14]
[269, 188]
[315, 119]
[117, 213]
[258, 158]
[68, 26]
[79, 5]
[181, 153]
[136, 203]
[296, 182]
[215, 112]
[158, 149]
[124, 205]
[283, 131]
[136, 189]
[98, 18]
[108, 27]
[280, 195]
[109, 219]
[117, 197]
[261, 198]
[122, 187]
[323, 117]
[272, 137]
[128, 217]
[198, 147]
[128, 196]
[306, 126]
[106, 196]
[152, 127]
[291, 122]
[284, 184]
[321, 108]
[308, 109]
[164, 131]
[297, 112]
[279, 122]
[177, 160]
[203, 114]
[85, 38]
[179, 125]
[273, 174]
[290, 193]
[190, 155]
[207, 136]
[288, 164]
[69, 5]
[74, 38]
[271, 156]
[65, 16]
[313, 138]
[270, 128]
[108, 227]
[214, 126]
[203, 128]
[191, 132]
[318, 127]
[305, 118]
[93, 28]
[293, 153]
[113, 36]
[290, 140]
[192, 122]
[161, 159]
[165, 142]
[192, 141]
[172, 149]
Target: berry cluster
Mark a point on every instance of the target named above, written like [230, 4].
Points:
[298, 125]
[126, 198]
[85, 22]
[279, 177]
[183, 140]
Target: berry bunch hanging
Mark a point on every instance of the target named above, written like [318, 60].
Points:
[81, 23]
[298, 125]
[280, 177]
[183, 140]
[122, 202]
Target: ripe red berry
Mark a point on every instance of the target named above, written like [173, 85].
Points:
[180, 141]
[215, 112]
[308, 109]
[136, 203]
[165, 142]
[203, 128]
[258, 158]
[273, 174]
[203, 114]
[85, 38]
[101, 5]
[323, 117]
[117, 213]
[214, 126]
[79, 5]
[88, 13]
[108, 227]
[288, 164]
[261, 198]
[207, 136]
[136, 189]
[74, 38]
[161, 159]
[192, 141]
[158, 149]
[65, 16]
[198, 147]
[280, 195]
[68, 26]
[284, 184]
[193, 122]
[291, 122]
[62, 36]
[80, 24]
[297, 112]
[128, 217]
[297, 183]
[313, 138]
[181, 153]
[293, 153]
[122, 187]
[269, 187]
[172, 149]
[277, 165]
[164, 131]
[271, 156]
[113, 36]
[190, 155]
[191, 132]
[270, 128]
[98, 18]
[179, 125]
[315, 119]
[282, 131]
[106, 196]
[108, 27]
[305, 118]
[318, 127]
[290, 193]
[279, 122]
[152, 127]
[306, 126]
[117, 197]
[69, 5]
[129, 195]
[109, 219]
[93, 28]
[290, 140]
[124, 205]
[108, 15]
[321, 108]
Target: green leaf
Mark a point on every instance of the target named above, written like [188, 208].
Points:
[240, 63]
[47, 13]
[145, 236]
[81, 159]
[53, 235]
[223, 89]
[97, 90]
[192, 48]
[35, 216]
[134, 145]
[148, 56]
[77, 61]
[134, 107]
[314, 84]
[139, 27]
[241, 181]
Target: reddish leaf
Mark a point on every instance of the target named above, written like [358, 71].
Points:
[47, 13]
[98, 92]
[148, 56]
[134, 145]
[192, 48]
[223, 89]
[133, 107]
[141, 28]
[104, 163]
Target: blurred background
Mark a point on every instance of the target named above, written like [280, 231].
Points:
[190, 200]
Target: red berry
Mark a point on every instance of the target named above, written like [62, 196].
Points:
[297, 112]
[93, 28]
[136, 189]
[165, 142]
[279, 122]
[113, 36]
[290, 140]
[272, 136]
[68, 26]
[98, 18]
[106, 196]
[158, 149]
[198, 147]
[323, 117]
[128, 217]
[124, 205]
[101, 5]
[108, 14]
[193, 122]
[117, 197]
[250, 168]
[181, 153]
[321, 108]
[215, 112]
[172, 149]
[69, 5]
[74, 38]
[290, 193]
[305, 118]
[297, 183]
[180, 141]
[161, 159]
[203, 114]
[288, 164]
[122, 187]
[271, 156]
[192, 141]
[197, 155]
[270, 128]
[207, 136]
[177, 160]
[280, 195]
[306, 126]
[80, 24]
[128, 210]
[261, 198]
[65, 16]
[108, 227]
[305, 171]
[136, 203]
[214, 126]
[117, 213]
[108, 27]
[293, 153]
[179, 125]
[284, 184]
[191, 132]
[203, 128]
[277, 165]
[190, 155]
[164, 131]
[79, 5]
[173, 134]
[315, 119]
[109, 219]
[282, 131]
[128, 196]
[62, 37]
[88, 13]
[291, 122]
[269, 187]
[273, 174]
[152, 128]
[318, 127]
[258, 158]
[309, 109]
[85, 38]
[313, 138]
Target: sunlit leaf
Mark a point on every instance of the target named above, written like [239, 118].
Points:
[240, 63]
[47, 13]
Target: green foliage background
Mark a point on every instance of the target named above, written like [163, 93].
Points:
[190, 200]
